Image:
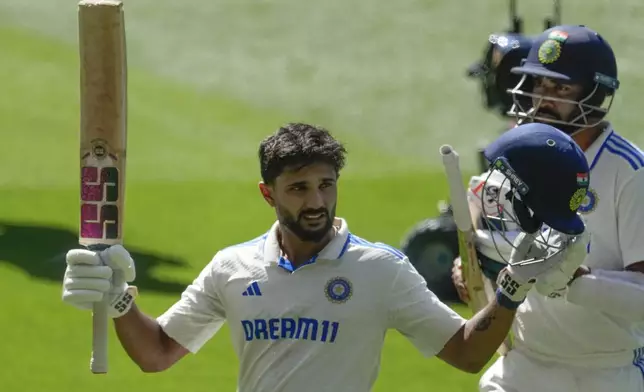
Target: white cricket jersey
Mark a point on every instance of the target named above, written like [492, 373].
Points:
[614, 214]
[320, 327]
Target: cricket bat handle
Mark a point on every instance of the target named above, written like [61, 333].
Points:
[98, 362]
[100, 324]
[456, 188]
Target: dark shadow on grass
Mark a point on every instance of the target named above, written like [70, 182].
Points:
[40, 252]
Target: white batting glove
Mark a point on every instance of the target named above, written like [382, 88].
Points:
[533, 261]
[554, 283]
[515, 280]
[92, 275]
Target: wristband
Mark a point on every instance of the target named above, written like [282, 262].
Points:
[506, 302]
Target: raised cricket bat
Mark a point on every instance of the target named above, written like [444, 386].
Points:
[103, 112]
[472, 274]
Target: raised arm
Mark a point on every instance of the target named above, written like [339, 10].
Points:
[474, 344]
[468, 345]
[436, 330]
[146, 343]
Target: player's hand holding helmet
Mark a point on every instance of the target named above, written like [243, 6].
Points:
[544, 179]
[554, 284]
[90, 276]
[548, 261]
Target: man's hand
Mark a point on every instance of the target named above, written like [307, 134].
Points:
[92, 275]
[550, 265]
[550, 278]
[515, 281]
[554, 284]
[459, 282]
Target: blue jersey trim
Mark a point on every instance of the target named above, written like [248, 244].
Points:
[599, 153]
[623, 155]
[377, 245]
[638, 360]
[629, 146]
[286, 264]
[622, 148]
[346, 246]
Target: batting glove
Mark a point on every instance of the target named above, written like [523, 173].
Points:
[554, 283]
[90, 276]
[534, 260]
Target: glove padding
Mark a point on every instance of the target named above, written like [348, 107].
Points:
[554, 284]
[533, 261]
[90, 276]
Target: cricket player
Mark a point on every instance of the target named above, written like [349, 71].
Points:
[589, 336]
[309, 302]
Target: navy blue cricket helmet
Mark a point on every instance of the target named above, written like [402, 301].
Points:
[548, 175]
[568, 54]
[503, 52]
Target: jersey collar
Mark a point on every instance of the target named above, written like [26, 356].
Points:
[594, 151]
[334, 250]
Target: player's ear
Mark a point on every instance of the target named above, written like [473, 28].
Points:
[266, 192]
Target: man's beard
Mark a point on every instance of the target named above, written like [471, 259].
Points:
[550, 114]
[296, 226]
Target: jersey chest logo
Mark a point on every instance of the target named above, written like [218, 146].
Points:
[338, 290]
[589, 204]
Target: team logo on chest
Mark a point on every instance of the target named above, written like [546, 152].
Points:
[589, 204]
[338, 290]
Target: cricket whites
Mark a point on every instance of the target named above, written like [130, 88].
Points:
[103, 134]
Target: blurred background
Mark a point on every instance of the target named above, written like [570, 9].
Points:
[207, 81]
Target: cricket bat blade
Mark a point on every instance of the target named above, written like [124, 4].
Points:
[463, 220]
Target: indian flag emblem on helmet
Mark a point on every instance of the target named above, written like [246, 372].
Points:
[557, 35]
[549, 51]
[582, 179]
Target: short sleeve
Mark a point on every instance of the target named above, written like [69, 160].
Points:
[198, 315]
[418, 314]
[630, 215]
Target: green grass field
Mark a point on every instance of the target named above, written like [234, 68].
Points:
[207, 81]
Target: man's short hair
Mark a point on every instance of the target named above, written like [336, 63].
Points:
[296, 145]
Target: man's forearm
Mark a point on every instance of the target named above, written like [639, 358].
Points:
[142, 338]
[485, 332]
